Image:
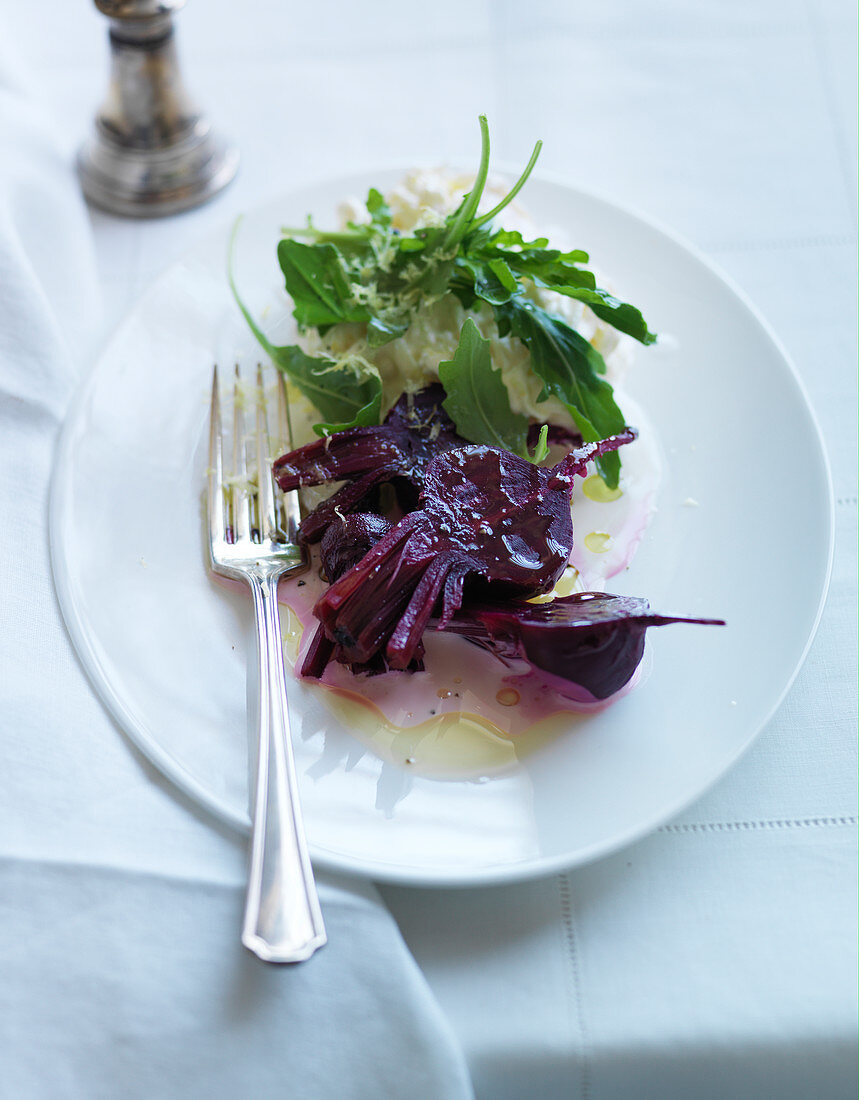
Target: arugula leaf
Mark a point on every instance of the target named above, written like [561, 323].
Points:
[348, 394]
[570, 369]
[378, 209]
[318, 284]
[356, 235]
[477, 400]
[512, 239]
[493, 281]
[381, 330]
[367, 273]
[550, 268]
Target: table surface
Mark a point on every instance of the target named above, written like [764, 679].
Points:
[714, 958]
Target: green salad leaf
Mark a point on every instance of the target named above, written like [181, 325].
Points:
[348, 393]
[477, 400]
[368, 273]
[318, 285]
[570, 369]
[519, 259]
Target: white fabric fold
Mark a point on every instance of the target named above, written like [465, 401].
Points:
[121, 984]
[120, 903]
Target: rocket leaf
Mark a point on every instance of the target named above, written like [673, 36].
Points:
[570, 369]
[348, 394]
[477, 400]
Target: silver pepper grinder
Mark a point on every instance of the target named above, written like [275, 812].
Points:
[152, 152]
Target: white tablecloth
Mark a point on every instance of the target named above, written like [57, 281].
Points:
[714, 959]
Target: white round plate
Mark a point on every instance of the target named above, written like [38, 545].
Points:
[165, 645]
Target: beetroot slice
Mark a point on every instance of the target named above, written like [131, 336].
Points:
[345, 542]
[348, 539]
[594, 640]
[489, 518]
[415, 430]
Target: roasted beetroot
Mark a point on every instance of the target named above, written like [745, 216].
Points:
[348, 539]
[415, 430]
[345, 542]
[488, 516]
[591, 639]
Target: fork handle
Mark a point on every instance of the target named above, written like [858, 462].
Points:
[283, 921]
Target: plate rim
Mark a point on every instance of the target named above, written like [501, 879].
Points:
[59, 504]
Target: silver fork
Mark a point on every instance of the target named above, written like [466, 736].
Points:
[252, 538]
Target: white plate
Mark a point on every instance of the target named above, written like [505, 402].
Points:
[165, 646]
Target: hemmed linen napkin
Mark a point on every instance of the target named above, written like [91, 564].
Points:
[120, 902]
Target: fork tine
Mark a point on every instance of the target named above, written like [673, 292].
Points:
[239, 493]
[216, 508]
[291, 505]
[267, 517]
[284, 421]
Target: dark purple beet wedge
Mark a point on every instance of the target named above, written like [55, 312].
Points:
[593, 640]
[344, 544]
[488, 517]
[415, 430]
[348, 539]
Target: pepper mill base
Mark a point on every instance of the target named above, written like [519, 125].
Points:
[155, 182]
